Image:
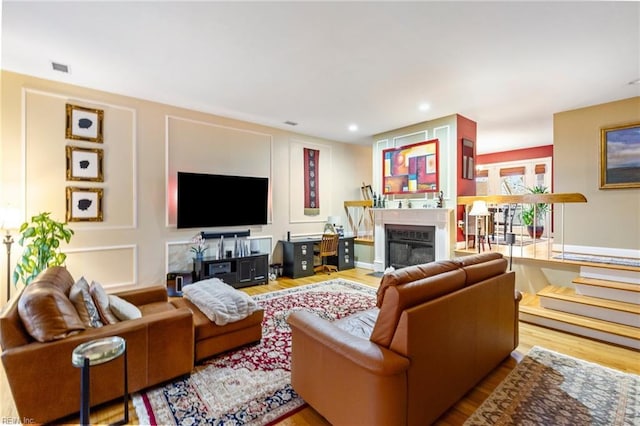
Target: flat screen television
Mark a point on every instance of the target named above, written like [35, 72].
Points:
[209, 200]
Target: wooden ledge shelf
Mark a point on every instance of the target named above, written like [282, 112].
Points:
[560, 197]
[367, 241]
[360, 217]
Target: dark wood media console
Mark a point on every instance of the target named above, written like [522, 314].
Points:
[238, 272]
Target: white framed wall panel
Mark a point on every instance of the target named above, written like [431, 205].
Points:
[378, 148]
[179, 256]
[44, 167]
[296, 181]
[203, 147]
[102, 260]
[446, 159]
[410, 138]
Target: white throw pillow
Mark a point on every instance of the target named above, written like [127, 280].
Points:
[122, 309]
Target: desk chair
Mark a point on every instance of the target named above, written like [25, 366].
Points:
[328, 246]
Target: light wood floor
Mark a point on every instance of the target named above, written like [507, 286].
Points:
[530, 335]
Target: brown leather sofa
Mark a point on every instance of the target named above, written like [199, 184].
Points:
[437, 330]
[43, 381]
[211, 339]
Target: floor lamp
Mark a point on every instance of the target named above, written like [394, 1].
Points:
[479, 208]
[9, 219]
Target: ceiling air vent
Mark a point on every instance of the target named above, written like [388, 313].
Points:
[60, 67]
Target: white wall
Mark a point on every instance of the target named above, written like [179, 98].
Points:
[137, 243]
[609, 223]
[445, 130]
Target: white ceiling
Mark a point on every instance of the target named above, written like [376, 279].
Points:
[509, 66]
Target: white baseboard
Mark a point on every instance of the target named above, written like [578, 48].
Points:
[364, 265]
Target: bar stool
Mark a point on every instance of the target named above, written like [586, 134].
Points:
[96, 352]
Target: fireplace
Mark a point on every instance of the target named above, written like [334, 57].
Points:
[442, 230]
[409, 245]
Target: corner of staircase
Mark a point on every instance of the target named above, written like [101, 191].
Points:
[601, 309]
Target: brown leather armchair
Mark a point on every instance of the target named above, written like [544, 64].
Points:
[438, 329]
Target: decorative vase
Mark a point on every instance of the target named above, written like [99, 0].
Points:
[535, 231]
[199, 255]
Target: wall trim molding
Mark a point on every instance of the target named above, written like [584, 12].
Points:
[93, 226]
[167, 120]
[326, 165]
[133, 248]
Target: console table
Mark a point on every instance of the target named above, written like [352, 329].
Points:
[236, 271]
[297, 256]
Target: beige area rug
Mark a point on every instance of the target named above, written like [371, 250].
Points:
[549, 388]
[252, 385]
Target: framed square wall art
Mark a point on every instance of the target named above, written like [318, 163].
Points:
[84, 164]
[620, 157]
[84, 204]
[411, 168]
[84, 124]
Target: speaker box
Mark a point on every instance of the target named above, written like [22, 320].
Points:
[177, 280]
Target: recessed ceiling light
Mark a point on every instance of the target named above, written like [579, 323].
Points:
[424, 106]
[353, 127]
[636, 81]
[57, 66]
[291, 123]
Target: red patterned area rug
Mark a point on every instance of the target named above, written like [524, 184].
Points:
[549, 388]
[252, 385]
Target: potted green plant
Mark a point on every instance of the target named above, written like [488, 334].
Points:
[536, 211]
[40, 240]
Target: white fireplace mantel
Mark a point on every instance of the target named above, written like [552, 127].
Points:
[442, 219]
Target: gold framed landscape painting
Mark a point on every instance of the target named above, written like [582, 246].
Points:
[620, 157]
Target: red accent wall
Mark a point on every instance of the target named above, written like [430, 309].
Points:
[515, 155]
[468, 187]
[466, 130]
[519, 154]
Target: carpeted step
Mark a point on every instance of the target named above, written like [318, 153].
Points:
[599, 261]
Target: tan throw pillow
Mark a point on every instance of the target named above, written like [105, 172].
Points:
[47, 313]
[83, 302]
[122, 309]
[101, 299]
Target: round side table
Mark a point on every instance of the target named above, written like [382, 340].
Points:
[96, 352]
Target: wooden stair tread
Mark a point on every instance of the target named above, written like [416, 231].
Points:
[569, 295]
[597, 282]
[591, 323]
[599, 265]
